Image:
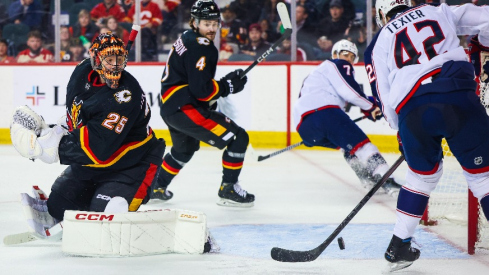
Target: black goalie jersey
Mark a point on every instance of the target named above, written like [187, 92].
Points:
[108, 127]
[188, 77]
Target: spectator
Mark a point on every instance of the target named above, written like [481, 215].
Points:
[84, 26]
[114, 27]
[4, 57]
[269, 12]
[268, 33]
[34, 52]
[77, 50]
[306, 32]
[65, 41]
[357, 34]
[335, 26]
[151, 18]
[248, 11]
[285, 48]
[27, 12]
[349, 9]
[325, 46]
[102, 10]
[256, 45]
[233, 30]
[170, 14]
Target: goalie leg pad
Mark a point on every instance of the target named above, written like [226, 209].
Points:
[134, 233]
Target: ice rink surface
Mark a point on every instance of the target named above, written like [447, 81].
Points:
[301, 197]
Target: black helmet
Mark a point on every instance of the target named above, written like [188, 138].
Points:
[205, 10]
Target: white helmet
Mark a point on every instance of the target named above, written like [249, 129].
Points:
[386, 6]
[345, 45]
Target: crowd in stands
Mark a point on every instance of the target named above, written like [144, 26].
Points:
[249, 27]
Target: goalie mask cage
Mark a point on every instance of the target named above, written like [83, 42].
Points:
[454, 211]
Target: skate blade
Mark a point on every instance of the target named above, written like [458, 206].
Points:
[398, 266]
[230, 203]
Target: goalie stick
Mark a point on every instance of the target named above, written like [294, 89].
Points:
[52, 234]
[285, 255]
[290, 147]
[284, 17]
[132, 36]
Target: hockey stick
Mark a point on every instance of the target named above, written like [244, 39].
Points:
[132, 36]
[56, 232]
[285, 255]
[284, 17]
[260, 158]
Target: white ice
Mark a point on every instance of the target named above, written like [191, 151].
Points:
[301, 196]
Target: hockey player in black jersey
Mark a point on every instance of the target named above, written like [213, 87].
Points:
[106, 140]
[188, 93]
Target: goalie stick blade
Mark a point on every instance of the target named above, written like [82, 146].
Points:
[290, 256]
[19, 238]
[284, 15]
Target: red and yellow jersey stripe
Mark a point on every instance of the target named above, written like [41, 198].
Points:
[123, 150]
[200, 120]
[170, 92]
[215, 90]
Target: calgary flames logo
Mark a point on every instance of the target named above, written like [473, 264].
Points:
[73, 115]
[123, 96]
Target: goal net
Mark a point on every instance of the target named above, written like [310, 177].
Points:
[451, 205]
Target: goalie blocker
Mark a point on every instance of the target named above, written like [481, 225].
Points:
[136, 233]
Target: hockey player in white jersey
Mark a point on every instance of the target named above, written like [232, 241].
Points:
[320, 118]
[426, 87]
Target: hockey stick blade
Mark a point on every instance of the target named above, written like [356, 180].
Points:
[285, 255]
[284, 15]
[55, 234]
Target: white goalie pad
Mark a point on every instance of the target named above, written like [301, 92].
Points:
[134, 233]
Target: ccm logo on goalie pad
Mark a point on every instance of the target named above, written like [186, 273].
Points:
[94, 217]
[187, 216]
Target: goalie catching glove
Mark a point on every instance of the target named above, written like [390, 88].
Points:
[32, 138]
[232, 83]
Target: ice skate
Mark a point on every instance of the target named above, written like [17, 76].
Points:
[41, 224]
[400, 254]
[391, 187]
[233, 196]
[161, 194]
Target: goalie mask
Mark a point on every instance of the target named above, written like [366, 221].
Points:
[345, 45]
[109, 58]
[386, 6]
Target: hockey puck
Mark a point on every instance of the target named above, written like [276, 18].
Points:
[341, 243]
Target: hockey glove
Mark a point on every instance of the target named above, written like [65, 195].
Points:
[233, 83]
[399, 141]
[373, 113]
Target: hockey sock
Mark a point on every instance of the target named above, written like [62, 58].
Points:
[233, 157]
[171, 166]
[410, 208]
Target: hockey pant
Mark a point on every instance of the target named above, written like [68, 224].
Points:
[194, 124]
[69, 192]
[462, 121]
[333, 128]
